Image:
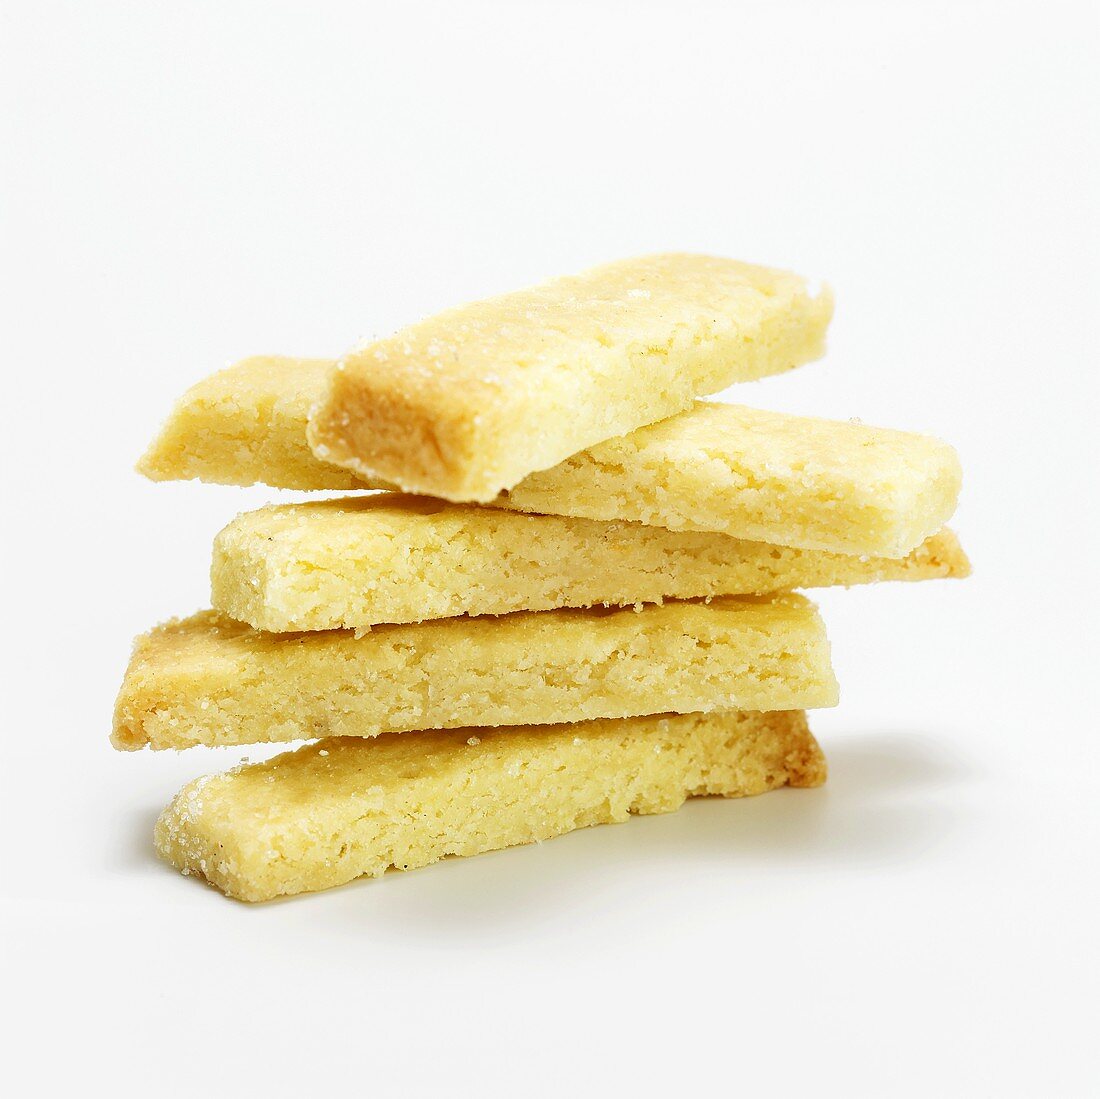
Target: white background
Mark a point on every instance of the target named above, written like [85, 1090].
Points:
[185, 184]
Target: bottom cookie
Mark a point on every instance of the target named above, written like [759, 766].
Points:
[348, 807]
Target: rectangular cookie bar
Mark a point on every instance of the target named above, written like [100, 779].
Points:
[210, 680]
[346, 808]
[468, 402]
[771, 477]
[762, 476]
[365, 560]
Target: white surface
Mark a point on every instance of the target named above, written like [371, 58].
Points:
[187, 184]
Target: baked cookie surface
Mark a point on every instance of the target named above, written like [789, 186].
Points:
[345, 808]
[366, 560]
[210, 680]
[766, 476]
[246, 425]
[467, 403]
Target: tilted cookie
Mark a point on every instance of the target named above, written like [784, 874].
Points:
[767, 476]
[210, 680]
[468, 402]
[763, 476]
[365, 560]
[346, 808]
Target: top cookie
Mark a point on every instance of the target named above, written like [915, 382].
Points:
[465, 404]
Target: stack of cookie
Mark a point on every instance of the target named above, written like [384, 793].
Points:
[570, 600]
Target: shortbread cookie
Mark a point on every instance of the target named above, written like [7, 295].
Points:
[365, 560]
[763, 476]
[347, 808]
[210, 680]
[468, 402]
[767, 476]
[247, 425]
